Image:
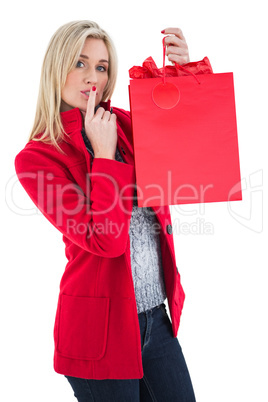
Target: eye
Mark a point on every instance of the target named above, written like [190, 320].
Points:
[79, 64]
[101, 68]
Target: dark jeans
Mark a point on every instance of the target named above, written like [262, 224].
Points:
[166, 377]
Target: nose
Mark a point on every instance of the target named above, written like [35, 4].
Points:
[91, 77]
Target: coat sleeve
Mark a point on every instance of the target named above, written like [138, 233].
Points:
[96, 219]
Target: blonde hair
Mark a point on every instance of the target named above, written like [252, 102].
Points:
[61, 57]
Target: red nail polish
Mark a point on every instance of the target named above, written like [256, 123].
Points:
[94, 88]
[163, 31]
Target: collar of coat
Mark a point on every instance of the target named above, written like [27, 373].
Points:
[72, 119]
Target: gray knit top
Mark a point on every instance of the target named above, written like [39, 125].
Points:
[145, 251]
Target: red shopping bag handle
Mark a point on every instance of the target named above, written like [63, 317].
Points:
[166, 95]
[176, 65]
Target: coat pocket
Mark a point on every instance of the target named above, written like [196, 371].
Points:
[83, 327]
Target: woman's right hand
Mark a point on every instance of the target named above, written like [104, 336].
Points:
[100, 129]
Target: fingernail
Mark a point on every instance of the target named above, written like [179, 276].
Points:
[94, 88]
[163, 31]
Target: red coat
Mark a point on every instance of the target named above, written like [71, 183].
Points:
[96, 331]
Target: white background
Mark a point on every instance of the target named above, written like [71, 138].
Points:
[223, 330]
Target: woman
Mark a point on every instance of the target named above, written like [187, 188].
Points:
[113, 338]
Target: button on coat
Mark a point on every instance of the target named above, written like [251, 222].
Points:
[169, 229]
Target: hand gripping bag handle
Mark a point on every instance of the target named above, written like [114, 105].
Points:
[176, 65]
[166, 95]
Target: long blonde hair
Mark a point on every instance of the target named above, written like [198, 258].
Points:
[61, 57]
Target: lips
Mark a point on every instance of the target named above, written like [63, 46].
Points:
[86, 93]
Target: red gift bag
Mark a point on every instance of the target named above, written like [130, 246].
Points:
[184, 134]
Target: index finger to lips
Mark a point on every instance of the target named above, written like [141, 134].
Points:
[91, 103]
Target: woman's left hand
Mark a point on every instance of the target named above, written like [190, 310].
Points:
[177, 48]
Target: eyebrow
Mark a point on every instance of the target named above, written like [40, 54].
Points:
[100, 61]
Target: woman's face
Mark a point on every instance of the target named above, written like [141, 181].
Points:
[91, 70]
